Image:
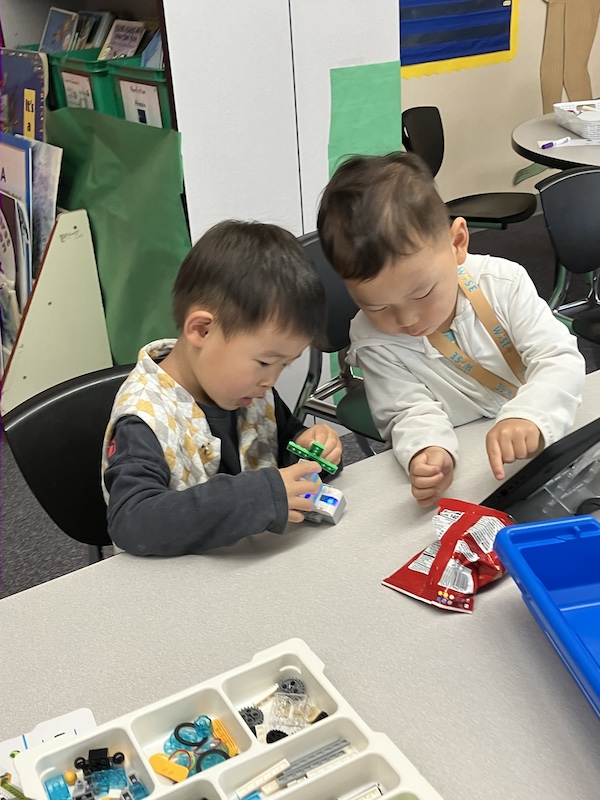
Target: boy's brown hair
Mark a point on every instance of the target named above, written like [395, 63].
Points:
[247, 274]
[376, 208]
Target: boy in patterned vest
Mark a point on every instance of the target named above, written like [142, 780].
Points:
[195, 450]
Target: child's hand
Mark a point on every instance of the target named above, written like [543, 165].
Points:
[296, 488]
[509, 440]
[431, 472]
[326, 436]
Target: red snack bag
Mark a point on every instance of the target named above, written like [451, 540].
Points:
[449, 572]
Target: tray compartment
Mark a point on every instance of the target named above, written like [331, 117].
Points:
[151, 728]
[244, 688]
[293, 747]
[58, 760]
[349, 779]
[198, 788]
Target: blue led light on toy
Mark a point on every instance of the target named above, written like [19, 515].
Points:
[331, 500]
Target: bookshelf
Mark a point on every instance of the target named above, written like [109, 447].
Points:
[63, 330]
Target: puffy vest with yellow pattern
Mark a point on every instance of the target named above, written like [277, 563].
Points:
[180, 426]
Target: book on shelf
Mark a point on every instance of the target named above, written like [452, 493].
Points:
[123, 39]
[16, 260]
[116, 38]
[101, 32]
[24, 88]
[16, 188]
[29, 175]
[46, 160]
[152, 55]
[60, 30]
[87, 24]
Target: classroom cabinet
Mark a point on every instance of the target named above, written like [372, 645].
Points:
[250, 88]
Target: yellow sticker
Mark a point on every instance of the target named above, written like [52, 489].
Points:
[29, 113]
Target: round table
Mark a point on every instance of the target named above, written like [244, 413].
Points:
[525, 139]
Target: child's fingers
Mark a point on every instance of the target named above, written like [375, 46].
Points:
[507, 449]
[427, 483]
[424, 497]
[420, 468]
[295, 516]
[334, 454]
[300, 504]
[322, 433]
[297, 471]
[318, 433]
[494, 453]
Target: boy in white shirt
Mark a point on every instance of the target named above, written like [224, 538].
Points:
[443, 337]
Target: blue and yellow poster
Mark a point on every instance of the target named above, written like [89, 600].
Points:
[442, 35]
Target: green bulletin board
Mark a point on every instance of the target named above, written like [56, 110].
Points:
[365, 111]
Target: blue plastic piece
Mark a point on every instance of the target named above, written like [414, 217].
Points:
[253, 796]
[555, 564]
[100, 782]
[203, 727]
[117, 778]
[137, 790]
[57, 789]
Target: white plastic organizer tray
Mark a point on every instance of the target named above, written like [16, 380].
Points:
[369, 761]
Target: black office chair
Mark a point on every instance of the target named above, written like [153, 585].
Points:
[423, 134]
[571, 206]
[352, 411]
[56, 440]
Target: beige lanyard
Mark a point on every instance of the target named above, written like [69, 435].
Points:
[488, 318]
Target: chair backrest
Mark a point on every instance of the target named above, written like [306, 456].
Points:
[56, 439]
[340, 308]
[423, 134]
[571, 204]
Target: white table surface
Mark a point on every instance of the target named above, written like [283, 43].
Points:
[481, 704]
[525, 139]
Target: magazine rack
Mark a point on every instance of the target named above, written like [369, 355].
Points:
[63, 330]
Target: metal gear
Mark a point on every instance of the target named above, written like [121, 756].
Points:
[252, 716]
[291, 686]
[275, 735]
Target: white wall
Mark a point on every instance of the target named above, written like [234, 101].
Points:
[329, 34]
[481, 106]
[234, 96]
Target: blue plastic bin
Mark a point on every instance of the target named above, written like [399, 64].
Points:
[556, 565]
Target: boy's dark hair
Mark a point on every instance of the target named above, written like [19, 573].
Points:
[247, 273]
[376, 208]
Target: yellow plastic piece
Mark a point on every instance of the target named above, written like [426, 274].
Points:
[70, 778]
[219, 732]
[168, 769]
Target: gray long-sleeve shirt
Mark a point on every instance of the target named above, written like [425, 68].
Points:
[145, 517]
